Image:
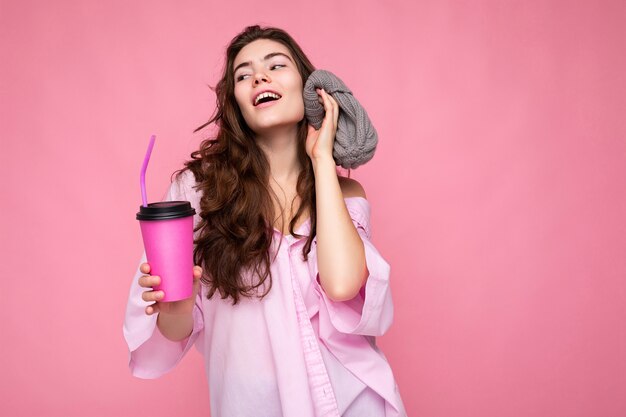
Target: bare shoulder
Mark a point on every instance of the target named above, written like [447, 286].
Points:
[351, 187]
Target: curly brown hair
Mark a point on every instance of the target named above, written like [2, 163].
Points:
[232, 173]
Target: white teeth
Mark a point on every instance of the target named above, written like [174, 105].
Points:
[264, 95]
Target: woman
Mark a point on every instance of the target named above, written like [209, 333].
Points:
[284, 241]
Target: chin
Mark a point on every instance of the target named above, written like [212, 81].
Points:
[269, 128]
[272, 123]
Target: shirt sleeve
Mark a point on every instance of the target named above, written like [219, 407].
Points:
[150, 353]
[370, 312]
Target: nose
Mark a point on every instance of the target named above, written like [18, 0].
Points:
[259, 76]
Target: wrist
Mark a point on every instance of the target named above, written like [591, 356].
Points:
[323, 162]
[175, 327]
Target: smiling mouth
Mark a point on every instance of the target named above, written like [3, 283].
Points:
[266, 97]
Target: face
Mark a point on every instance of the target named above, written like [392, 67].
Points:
[265, 69]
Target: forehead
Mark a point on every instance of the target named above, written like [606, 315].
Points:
[256, 50]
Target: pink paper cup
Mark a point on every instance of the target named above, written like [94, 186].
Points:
[167, 232]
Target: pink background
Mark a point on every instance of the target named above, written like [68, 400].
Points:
[497, 192]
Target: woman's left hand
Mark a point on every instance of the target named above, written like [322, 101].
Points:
[319, 143]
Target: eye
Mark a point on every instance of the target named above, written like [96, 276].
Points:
[241, 77]
[277, 65]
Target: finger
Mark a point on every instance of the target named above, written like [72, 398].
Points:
[145, 268]
[330, 98]
[325, 100]
[197, 272]
[327, 105]
[149, 281]
[331, 108]
[152, 295]
[332, 103]
[152, 309]
[322, 96]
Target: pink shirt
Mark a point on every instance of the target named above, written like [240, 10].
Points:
[296, 353]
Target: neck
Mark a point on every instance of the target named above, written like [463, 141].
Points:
[281, 149]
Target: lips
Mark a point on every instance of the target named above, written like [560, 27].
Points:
[265, 94]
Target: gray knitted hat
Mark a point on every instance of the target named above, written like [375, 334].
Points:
[356, 138]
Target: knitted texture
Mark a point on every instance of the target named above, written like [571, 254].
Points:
[356, 138]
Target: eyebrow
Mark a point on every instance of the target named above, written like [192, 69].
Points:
[268, 56]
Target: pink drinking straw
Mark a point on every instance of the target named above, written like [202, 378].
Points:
[142, 177]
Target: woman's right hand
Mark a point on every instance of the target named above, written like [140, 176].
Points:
[172, 307]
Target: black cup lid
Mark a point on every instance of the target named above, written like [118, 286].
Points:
[164, 210]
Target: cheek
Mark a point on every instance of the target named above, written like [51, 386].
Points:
[240, 98]
[298, 104]
[296, 94]
[242, 95]
[299, 107]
